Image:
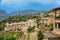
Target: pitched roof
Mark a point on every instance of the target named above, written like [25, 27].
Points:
[58, 8]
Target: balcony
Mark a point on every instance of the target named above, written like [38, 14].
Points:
[58, 18]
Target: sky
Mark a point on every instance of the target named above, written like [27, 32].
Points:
[16, 5]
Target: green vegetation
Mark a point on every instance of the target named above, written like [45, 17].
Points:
[46, 14]
[1, 35]
[51, 28]
[10, 35]
[46, 25]
[1, 27]
[1, 38]
[38, 20]
[12, 38]
[30, 29]
[58, 17]
[28, 36]
[40, 35]
[18, 18]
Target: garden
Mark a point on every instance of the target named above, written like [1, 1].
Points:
[10, 35]
[20, 35]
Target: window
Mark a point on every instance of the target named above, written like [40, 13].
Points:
[30, 23]
[55, 25]
[26, 23]
[59, 25]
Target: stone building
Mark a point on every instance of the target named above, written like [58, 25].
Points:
[20, 25]
[56, 12]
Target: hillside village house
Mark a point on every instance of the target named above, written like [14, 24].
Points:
[48, 21]
[56, 30]
[20, 25]
[14, 26]
[54, 18]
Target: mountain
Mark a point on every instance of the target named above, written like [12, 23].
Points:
[24, 12]
[3, 14]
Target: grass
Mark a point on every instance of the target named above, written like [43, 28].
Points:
[17, 35]
[9, 35]
[33, 36]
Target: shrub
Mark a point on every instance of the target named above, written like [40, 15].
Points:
[51, 29]
[40, 35]
[12, 38]
[31, 28]
[46, 25]
[1, 38]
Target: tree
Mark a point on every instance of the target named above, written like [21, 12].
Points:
[19, 35]
[33, 27]
[46, 25]
[12, 38]
[1, 38]
[40, 35]
[38, 20]
[51, 29]
[1, 27]
[30, 29]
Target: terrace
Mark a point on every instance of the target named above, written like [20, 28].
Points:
[56, 12]
[58, 15]
[50, 36]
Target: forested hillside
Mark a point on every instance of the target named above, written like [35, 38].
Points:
[18, 16]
